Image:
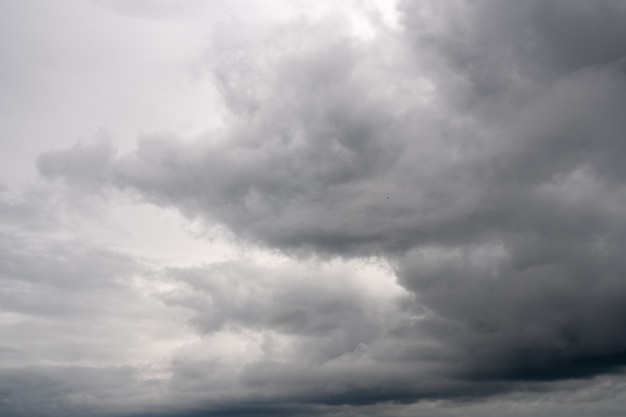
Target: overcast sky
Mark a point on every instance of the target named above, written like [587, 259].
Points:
[359, 208]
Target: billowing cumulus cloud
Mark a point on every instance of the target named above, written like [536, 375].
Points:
[428, 211]
[321, 152]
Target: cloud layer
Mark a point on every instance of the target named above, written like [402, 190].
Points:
[445, 199]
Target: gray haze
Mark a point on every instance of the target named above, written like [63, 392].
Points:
[424, 221]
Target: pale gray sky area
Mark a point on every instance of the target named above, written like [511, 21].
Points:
[359, 208]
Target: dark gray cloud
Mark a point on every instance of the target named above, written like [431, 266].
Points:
[62, 390]
[479, 151]
[494, 53]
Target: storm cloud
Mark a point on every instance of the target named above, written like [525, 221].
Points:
[429, 214]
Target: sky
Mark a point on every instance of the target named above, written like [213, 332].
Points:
[355, 208]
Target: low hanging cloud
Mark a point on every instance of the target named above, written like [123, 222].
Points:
[478, 150]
